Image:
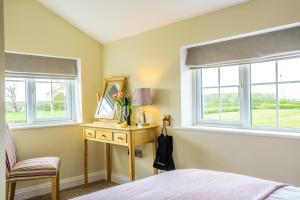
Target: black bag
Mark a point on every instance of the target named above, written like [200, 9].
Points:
[164, 159]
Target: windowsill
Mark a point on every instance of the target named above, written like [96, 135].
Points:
[25, 127]
[241, 131]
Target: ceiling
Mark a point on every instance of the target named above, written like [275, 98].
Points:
[110, 20]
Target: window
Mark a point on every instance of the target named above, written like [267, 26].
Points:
[16, 106]
[220, 93]
[259, 95]
[263, 94]
[275, 93]
[39, 101]
[41, 89]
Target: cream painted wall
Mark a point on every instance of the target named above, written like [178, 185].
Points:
[31, 28]
[2, 143]
[151, 59]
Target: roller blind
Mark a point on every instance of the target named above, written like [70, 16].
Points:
[40, 66]
[244, 50]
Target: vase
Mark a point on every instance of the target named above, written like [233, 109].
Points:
[126, 112]
[119, 113]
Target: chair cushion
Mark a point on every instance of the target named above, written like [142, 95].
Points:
[35, 168]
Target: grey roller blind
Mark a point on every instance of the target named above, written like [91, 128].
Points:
[40, 66]
[247, 49]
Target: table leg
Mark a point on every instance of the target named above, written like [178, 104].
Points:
[131, 158]
[154, 148]
[108, 161]
[86, 163]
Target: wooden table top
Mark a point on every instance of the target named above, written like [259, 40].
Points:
[116, 127]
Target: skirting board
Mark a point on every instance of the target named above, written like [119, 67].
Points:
[43, 189]
[118, 178]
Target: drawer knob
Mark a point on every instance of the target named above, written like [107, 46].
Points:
[120, 138]
[103, 136]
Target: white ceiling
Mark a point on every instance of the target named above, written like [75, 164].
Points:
[110, 20]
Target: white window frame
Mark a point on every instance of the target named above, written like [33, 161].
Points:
[276, 83]
[70, 89]
[190, 94]
[76, 85]
[30, 101]
[199, 104]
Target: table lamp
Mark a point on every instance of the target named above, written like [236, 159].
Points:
[140, 97]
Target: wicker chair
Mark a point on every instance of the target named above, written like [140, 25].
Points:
[30, 169]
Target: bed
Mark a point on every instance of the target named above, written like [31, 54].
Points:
[197, 184]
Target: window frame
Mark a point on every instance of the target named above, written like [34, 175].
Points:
[30, 102]
[277, 83]
[245, 96]
[199, 101]
[25, 100]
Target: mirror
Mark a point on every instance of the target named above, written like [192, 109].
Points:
[106, 103]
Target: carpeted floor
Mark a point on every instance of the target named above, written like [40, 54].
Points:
[78, 191]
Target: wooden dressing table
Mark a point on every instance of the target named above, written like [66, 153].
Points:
[110, 134]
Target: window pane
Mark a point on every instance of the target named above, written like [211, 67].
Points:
[15, 98]
[43, 98]
[210, 103]
[263, 105]
[230, 102]
[210, 77]
[289, 70]
[229, 75]
[51, 99]
[289, 99]
[263, 72]
[59, 99]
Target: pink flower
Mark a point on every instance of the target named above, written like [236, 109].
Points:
[120, 95]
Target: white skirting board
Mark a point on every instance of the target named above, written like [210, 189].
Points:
[43, 189]
[120, 179]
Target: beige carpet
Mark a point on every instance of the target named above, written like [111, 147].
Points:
[78, 191]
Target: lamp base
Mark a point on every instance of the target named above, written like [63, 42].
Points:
[142, 125]
[142, 118]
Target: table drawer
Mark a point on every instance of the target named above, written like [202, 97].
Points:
[90, 133]
[120, 137]
[104, 135]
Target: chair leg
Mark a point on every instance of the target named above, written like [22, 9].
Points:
[7, 190]
[55, 187]
[12, 190]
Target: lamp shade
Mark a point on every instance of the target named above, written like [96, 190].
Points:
[141, 96]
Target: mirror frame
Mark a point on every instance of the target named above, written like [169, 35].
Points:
[101, 92]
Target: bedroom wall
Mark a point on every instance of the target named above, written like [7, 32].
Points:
[151, 59]
[2, 144]
[31, 28]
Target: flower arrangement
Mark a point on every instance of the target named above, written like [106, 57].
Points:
[123, 107]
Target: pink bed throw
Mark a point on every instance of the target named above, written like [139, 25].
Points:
[190, 184]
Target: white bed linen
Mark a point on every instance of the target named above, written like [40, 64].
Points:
[285, 193]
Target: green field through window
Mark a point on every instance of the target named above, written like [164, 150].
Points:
[20, 117]
[289, 118]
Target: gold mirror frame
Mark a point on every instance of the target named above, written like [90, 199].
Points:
[101, 93]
